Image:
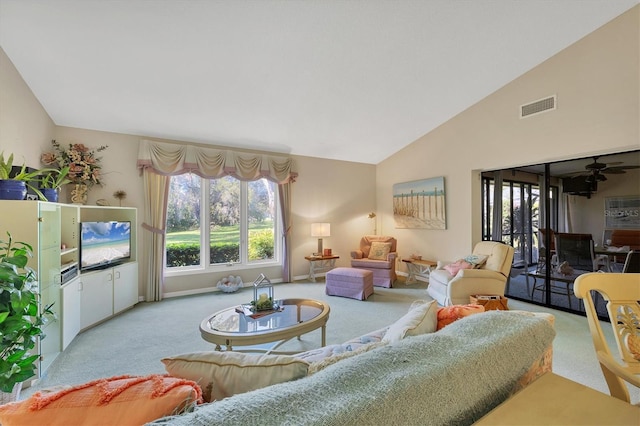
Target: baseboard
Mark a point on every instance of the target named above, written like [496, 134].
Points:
[205, 290]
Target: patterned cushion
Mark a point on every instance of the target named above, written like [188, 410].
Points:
[477, 260]
[379, 251]
[449, 314]
[118, 400]
[453, 268]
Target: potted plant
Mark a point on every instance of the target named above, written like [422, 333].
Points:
[51, 182]
[21, 318]
[15, 187]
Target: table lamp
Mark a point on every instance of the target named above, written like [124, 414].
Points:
[320, 230]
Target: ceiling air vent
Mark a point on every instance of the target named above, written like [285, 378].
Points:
[536, 107]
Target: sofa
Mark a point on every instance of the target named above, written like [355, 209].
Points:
[432, 366]
[454, 375]
[484, 272]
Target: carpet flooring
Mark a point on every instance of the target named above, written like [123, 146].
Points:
[135, 341]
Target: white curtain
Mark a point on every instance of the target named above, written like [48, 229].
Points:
[156, 193]
[284, 192]
[542, 203]
[159, 160]
[496, 228]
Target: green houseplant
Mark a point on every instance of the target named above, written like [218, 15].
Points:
[15, 187]
[50, 183]
[21, 318]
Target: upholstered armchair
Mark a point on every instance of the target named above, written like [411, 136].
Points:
[378, 255]
[453, 284]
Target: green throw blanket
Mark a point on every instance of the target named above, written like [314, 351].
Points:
[451, 377]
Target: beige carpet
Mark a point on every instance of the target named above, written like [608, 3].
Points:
[135, 341]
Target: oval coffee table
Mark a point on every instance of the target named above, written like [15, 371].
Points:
[298, 316]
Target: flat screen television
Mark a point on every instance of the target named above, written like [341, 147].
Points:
[104, 244]
[578, 186]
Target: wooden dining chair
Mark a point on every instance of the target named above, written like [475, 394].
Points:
[621, 293]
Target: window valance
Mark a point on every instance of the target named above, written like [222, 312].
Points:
[174, 159]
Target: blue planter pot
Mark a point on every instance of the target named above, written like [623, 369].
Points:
[12, 190]
[50, 194]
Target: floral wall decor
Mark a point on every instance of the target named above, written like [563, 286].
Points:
[84, 166]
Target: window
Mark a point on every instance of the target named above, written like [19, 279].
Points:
[220, 222]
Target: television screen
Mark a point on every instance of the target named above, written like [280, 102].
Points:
[104, 244]
[578, 186]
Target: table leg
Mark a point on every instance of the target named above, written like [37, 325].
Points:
[324, 335]
[411, 268]
[312, 271]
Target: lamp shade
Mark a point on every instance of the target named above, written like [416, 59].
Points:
[320, 229]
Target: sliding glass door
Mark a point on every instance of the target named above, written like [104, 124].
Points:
[520, 220]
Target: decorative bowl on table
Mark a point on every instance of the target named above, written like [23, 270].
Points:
[230, 284]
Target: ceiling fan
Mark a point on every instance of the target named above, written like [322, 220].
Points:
[596, 171]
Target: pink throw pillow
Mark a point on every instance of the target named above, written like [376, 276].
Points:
[449, 314]
[453, 268]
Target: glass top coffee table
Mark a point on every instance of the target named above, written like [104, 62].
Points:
[297, 317]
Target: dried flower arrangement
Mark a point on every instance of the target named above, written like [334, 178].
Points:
[120, 195]
[84, 166]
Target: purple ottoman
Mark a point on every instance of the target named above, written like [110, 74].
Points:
[349, 282]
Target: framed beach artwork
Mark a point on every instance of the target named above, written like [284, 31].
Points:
[420, 204]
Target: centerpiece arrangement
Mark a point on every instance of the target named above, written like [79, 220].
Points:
[263, 302]
[84, 169]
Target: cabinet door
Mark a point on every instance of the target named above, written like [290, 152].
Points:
[51, 343]
[71, 300]
[48, 256]
[125, 286]
[96, 297]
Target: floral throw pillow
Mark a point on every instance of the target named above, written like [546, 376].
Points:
[477, 260]
[379, 251]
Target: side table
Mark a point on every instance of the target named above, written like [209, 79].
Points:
[320, 264]
[418, 267]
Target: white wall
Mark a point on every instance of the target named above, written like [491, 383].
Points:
[597, 84]
[25, 127]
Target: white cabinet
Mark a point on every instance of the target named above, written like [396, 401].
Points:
[107, 292]
[125, 286]
[38, 224]
[71, 300]
[79, 299]
[96, 297]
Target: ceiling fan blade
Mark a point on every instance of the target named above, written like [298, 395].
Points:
[619, 169]
[580, 173]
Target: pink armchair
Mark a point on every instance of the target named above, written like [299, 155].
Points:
[381, 261]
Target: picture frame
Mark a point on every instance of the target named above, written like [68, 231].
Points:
[420, 204]
[622, 212]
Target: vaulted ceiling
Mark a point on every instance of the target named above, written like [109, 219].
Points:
[347, 80]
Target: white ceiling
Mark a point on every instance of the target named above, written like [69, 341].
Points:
[348, 80]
